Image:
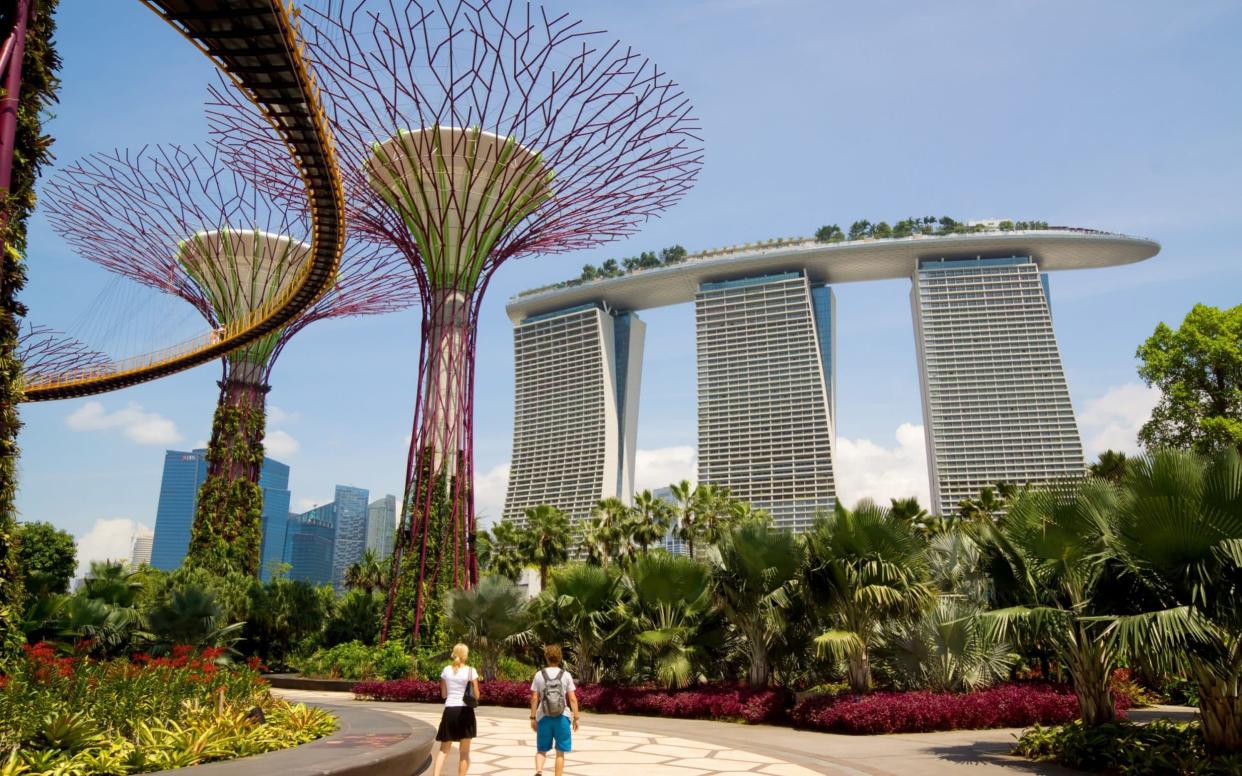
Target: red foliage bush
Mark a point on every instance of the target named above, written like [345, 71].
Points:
[709, 702]
[1007, 705]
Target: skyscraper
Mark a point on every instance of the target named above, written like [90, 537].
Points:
[994, 393]
[309, 544]
[576, 409]
[140, 549]
[381, 525]
[766, 399]
[350, 538]
[184, 472]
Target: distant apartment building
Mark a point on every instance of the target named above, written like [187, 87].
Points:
[184, 473]
[350, 540]
[381, 525]
[309, 544]
[672, 541]
[140, 549]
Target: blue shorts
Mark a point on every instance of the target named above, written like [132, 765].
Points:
[555, 729]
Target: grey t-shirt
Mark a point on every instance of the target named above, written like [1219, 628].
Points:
[536, 686]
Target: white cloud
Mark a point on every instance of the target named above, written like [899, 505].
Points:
[1112, 421]
[279, 444]
[662, 466]
[145, 428]
[489, 494]
[868, 470]
[108, 539]
[276, 414]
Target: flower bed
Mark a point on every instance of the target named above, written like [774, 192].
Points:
[1006, 705]
[723, 702]
[75, 715]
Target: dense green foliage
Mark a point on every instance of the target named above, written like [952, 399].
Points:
[1163, 747]
[227, 532]
[31, 152]
[490, 618]
[1198, 369]
[48, 553]
[355, 660]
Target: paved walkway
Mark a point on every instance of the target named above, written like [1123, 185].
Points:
[613, 745]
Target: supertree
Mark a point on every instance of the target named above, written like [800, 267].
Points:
[181, 221]
[43, 350]
[472, 132]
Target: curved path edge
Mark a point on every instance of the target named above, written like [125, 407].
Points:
[367, 742]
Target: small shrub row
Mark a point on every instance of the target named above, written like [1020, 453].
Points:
[1006, 705]
[724, 702]
[1164, 747]
[355, 660]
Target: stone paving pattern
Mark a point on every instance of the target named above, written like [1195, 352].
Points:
[613, 745]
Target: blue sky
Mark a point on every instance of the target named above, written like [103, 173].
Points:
[1124, 116]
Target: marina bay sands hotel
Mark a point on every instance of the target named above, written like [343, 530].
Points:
[995, 402]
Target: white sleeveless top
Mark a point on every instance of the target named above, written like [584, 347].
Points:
[456, 684]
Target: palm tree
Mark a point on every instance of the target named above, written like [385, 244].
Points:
[754, 571]
[651, 518]
[579, 610]
[1111, 466]
[670, 598]
[863, 568]
[949, 648]
[367, 574]
[743, 512]
[490, 618]
[687, 512]
[190, 616]
[985, 507]
[548, 534]
[907, 509]
[502, 551]
[1053, 543]
[714, 517]
[1179, 533]
[607, 534]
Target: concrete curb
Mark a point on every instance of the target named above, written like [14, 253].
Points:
[298, 682]
[367, 743]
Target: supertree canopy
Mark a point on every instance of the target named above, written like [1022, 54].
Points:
[45, 351]
[181, 221]
[471, 132]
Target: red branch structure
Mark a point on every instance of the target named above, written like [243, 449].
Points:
[182, 221]
[45, 351]
[472, 132]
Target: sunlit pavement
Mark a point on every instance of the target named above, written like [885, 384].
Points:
[612, 745]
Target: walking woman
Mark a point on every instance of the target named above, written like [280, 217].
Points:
[459, 687]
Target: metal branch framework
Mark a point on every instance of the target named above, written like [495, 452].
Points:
[471, 132]
[43, 350]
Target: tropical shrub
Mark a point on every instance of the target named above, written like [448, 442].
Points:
[355, 660]
[71, 714]
[488, 618]
[1008, 705]
[1162, 746]
[723, 702]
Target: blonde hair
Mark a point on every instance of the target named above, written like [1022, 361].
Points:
[460, 653]
[552, 654]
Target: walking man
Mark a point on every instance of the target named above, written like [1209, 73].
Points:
[551, 695]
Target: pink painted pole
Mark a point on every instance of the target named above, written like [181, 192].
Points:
[14, 50]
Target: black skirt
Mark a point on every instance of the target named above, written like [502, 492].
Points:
[456, 723]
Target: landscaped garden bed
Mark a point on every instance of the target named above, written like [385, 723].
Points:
[1162, 746]
[72, 714]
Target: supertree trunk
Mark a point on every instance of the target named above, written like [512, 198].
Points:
[436, 549]
[227, 534]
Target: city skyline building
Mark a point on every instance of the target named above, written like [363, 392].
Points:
[575, 409]
[350, 537]
[995, 400]
[382, 526]
[310, 541]
[140, 549]
[274, 479]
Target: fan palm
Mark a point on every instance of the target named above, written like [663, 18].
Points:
[190, 616]
[651, 517]
[547, 539]
[1179, 533]
[670, 596]
[579, 610]
[947, 649]
[1054, 544]
[490, 618]
[686, 513]
[862, 569]
[755, 572]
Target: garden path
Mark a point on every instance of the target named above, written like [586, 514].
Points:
[614, 745]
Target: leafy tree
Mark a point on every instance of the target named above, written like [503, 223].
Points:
[357, 618]
[502, 551]
[860, 229]
[674, 254]
[546, 539]
[1053, 543]
[1198, 369]
[863, 568]
[190, 616]
[1111, 466]
[829, 233]
[1179, 534]
[490, 619]
[31, 151]
[589, 272]
[283, 614]
[651, 518]
[754, 571]
[882, 230]
[46, 549]
[670, 602]
[579, 610]
[609, 269]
